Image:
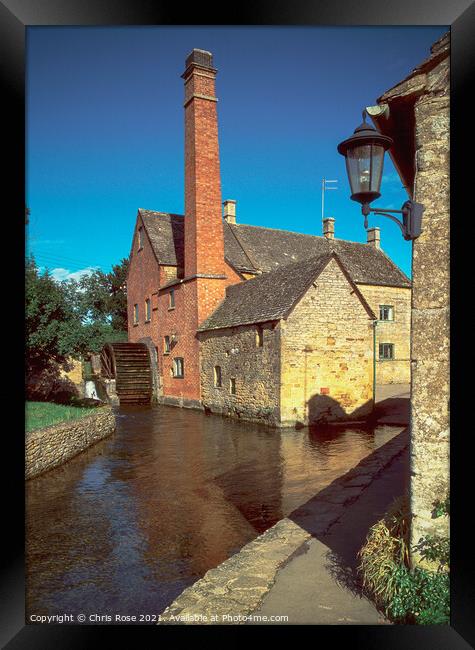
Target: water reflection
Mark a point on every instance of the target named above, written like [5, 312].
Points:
[128, 524]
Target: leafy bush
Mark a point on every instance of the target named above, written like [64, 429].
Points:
[417, 596]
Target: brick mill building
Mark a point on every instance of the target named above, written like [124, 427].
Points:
[255, 322]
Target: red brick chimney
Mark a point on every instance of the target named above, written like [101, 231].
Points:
[204, 239]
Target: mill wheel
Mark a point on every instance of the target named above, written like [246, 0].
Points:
[129, 364]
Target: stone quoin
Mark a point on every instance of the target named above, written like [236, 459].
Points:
[252, 322]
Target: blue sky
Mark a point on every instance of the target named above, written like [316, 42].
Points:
[105, 129]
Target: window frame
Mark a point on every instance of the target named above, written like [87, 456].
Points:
[140, 238]
[232, 386]
[167, 344]
[386, 320]
[136, 314]
[171, 299]
[259, 336]
[218, 377]
[392, 349]
[175, 360]
[148, 310]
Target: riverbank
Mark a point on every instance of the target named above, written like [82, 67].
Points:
[238, 586]
[50, 446]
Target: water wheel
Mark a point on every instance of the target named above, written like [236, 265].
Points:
[129, 365]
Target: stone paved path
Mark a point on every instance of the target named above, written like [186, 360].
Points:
[320, 585]
[263, 569]
[392, 404]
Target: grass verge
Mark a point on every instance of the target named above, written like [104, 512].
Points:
[44, 414]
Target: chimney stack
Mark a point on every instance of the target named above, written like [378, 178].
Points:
[230, 210]
[374, 237]
[329, 227]
[204, 237]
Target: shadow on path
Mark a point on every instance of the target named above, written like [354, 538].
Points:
[341, 515]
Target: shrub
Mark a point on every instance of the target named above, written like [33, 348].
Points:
[419, 595]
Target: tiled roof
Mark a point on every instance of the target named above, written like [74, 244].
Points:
[269, 296]
[253, 248]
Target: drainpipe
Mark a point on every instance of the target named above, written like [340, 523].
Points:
[374, 362]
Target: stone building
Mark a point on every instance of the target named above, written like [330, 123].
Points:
[315, 357]
[415, 113]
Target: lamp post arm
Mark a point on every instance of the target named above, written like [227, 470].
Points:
[383, 213]
[411, 221]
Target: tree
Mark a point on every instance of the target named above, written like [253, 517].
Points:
[104, 296]
[72, 318]
[47, 315]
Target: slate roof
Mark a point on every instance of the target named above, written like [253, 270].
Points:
[269, 296]
[258, 249]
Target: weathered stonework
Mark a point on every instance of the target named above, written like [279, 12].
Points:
[327, 354]
[52, 446]
[397, 331]
[255, 369]
[424, 99]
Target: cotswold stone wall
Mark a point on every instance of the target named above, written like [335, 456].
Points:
[427, 98]
[327, 354]
[397, 332]
[52, 446]
[256, 371]
[430, 308]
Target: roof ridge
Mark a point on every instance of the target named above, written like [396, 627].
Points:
[166, 214]
[292, 232]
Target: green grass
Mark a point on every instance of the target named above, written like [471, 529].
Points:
[44, 414]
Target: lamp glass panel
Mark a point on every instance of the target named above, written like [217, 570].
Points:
[364, 164]
[377, 156]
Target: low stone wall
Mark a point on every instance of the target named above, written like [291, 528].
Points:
[54, 445]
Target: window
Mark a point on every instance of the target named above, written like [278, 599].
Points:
[171, 299]
[148, 310]
[166, 345]
[178, 368]
[232, 386]
[386, 351]
[386, 312]
[136, 314]
[259, 337]
[218, 381]
[140, 238]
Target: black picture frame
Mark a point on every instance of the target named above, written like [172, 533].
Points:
[15, 17]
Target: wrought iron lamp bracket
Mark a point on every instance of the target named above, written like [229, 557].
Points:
[411, 223]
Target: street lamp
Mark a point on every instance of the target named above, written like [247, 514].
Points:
[364, 156]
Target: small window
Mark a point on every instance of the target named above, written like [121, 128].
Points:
[178, 368]
[218, 380]
[259, 337]
[136, 314]
[140, 238]
[148, 310]
[166, 345]
[171, 299]
[232, 386]
[386, 312]
[386, 351]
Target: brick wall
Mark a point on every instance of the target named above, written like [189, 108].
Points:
[142, 282]
[327, 354]
[204, 237]
[255, 369]
[397, 332]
